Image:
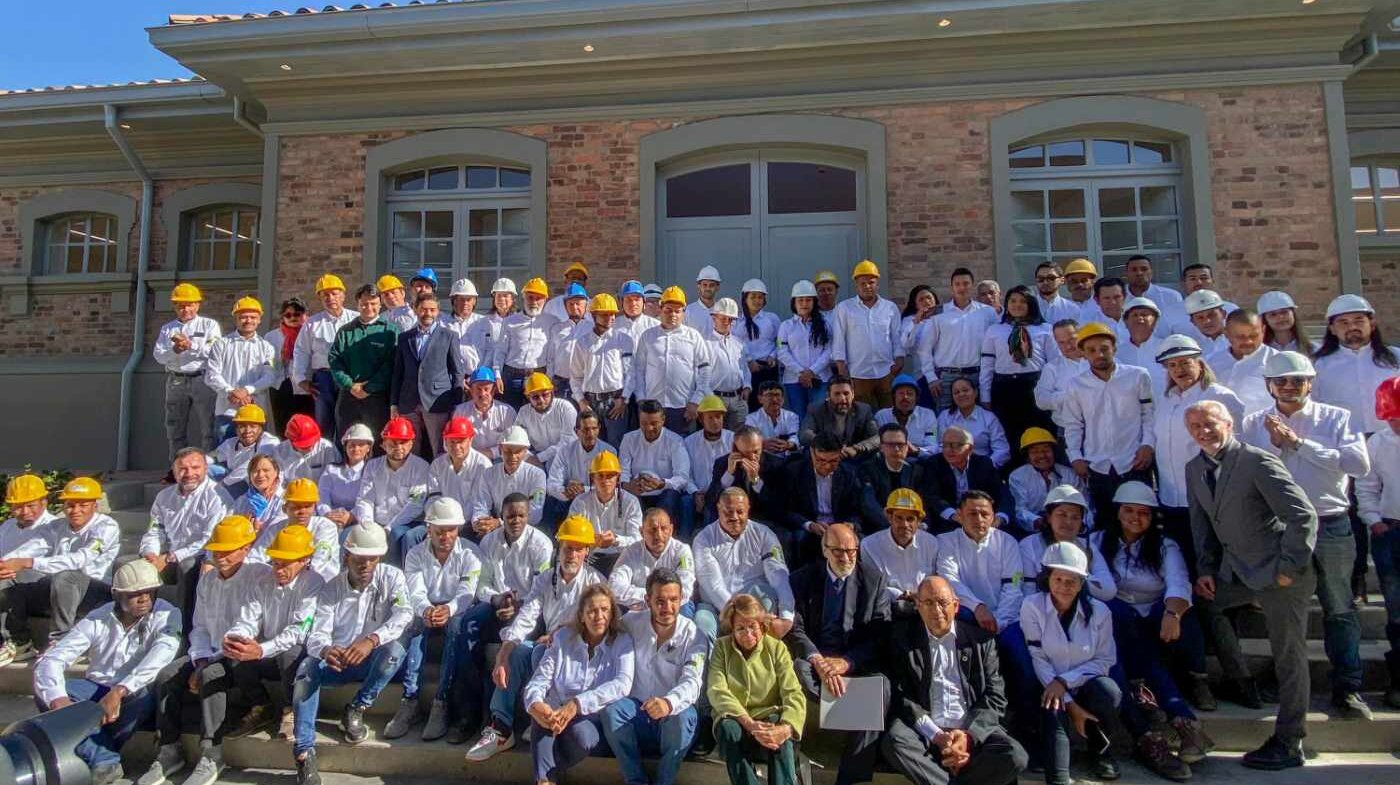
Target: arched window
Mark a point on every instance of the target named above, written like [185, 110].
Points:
[224, 237]
[76, 232]
[80, 243]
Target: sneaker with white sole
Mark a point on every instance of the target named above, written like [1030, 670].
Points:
[207, 770]
[489, 744]
[170, 760]
[15, 652]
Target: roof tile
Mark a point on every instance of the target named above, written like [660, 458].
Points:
[76, 87]
[201, 19]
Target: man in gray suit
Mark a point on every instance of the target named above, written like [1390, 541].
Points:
[842, 416]
[426, 382]
[1255, 531]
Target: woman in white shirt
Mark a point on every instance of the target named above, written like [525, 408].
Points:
[1281, 329]
[918, 314]
[804, 350]
[1013, 352]
[988, 437]
[589, 665]
[1065, 510]
[339, 484]
[759, 331]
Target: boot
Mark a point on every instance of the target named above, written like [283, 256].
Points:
[1275, 755]
[1198, 693]
[1154, 753]
[1105, 767]
[437, 721]
[459, 733]
[406, 717]
[353, 724]
[1195, 744]
[307, 773]
[1244, 692]
[1146, 703]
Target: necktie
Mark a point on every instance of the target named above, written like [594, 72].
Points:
[1210, 477]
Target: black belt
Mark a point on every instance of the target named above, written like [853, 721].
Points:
[511, 370]
[1024, 375]
[186, 375]
[965, 369]
[728, 394]
[603, 396]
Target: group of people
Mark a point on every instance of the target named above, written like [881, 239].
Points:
[664, 525]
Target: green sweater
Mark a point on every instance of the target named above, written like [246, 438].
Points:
[364, 353]
[761, 684]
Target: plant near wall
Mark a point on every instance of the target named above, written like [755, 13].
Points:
[54, 480]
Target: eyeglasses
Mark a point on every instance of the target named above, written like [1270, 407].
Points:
[848, 552]
[954, 445]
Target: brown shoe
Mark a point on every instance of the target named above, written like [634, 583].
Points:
[1154, 753]
[286, 728]
[1195, 744]
[1146, 702]
[257, 718]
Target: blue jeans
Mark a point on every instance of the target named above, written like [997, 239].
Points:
[324, 405]
[1140, 652]
[375, 672]
[1385, 550]
[523, 660]
[402, 538]
[104, 747]
[555, 754]
[631, 732]
[451, 654]
[707, 615]
[1341, 622]
[1101, 697]
[798, 398]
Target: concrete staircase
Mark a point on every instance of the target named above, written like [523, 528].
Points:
[1364, 752]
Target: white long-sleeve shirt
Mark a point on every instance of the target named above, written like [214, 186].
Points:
[280, 617]
[128, 656]
[392, 496]
[996, 355]
[548, 430]
[635, 327]
[345, 614]
[1101, 583]
[202, 332]
[670, 366]
[983, 573]
[489, 426]
[452, 582]
[905, 567]
[1058, 308]
[1378, 493]
[1029, 488]
[703, 453]
[494, 485]
[32, 541]
[666, 458]
[1143, 356]
[729, 362]
[551, 599]
[1348, 378]
[512, 566]
[325, 536]
[674, 670]
[484, 336]
[218, 603]
[1174, 445]
[402, 317]
[1329, 454]
[953, 337]
[233, 455]
[248, 363]
[339, 486]
[91, 549]
[446, 480]
[1106, 422]
[988, 436]
[725, 565]
[910, 333]
[764, 344]
[629, 574]
[697, 317]
[921, 427]
[600, 363]
[785, 428]
[559, 352]
[523, 342]
[1054, 381]
[571, 464]
[866, 337]
[797, 354]
[297, 465]
[1141, 587]
[312, 350]
[1083, 653]
[277, 340]
[1245, 376]
[622, 516]
[569, 672]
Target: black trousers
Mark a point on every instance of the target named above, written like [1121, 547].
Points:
[171, 687]
[285, 403]
[372, 411]
[251, 677]
[862, 747]
[1013, 402]
[998, 760]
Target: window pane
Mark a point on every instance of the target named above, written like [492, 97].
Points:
[722, 190]
[442, 178]
[1388, 178]
[102, 259]
[1390, 214]
[1068, 237]
[204, 226]
[223, 225]
[407, 255]
[1110, 152]
[1027, 204]
[810, 188]
[438, 254]
[410, 181]
[222, 256]
[1116, 203]
[1160, 234]
[1028, 157]
[77, 232]
[437, 223]
[75, 258]
[408, 224]
[1361, 181]
[1118, 236]
[482, 253]
[481, 177]
[1366, 217]
[483, 223]
[1152, 153]
[1067, 203]
[514, 178]
[515, 222]
[515, 252]
[200, 259]
[247, 225]
[1067, 153]
[1158, 200]
[103, 229]
[1030, 237]
[243, 256]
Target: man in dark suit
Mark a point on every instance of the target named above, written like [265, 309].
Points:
[1255, 531]
[426, 382]
[843, 615]
[955, 471]
[891, 469]
[747, 466]
[842, 416]
[817, 490]
[947, 698]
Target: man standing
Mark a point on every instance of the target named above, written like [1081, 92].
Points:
[1048, 280]
[462, 298]
[311, 352]
[489, 417]
[1109, 297]
[1068, 363]
[671, 365]
[1080, 275]
[394, 304]
[362, 363]
[575, 274]
[425, 384]
[850, 422]
[697, 314]
[601, 362]
[1138, 274]
[242, 367]
[1354, 360]
[828, 287]
[1255, 530]
[1205, 321]
[523, 346]
[182, 347]
[730, 376]
[951, 347]
[989, 294]
[560, 349]
[1240, 364]
[1138, 342]
[865, 343]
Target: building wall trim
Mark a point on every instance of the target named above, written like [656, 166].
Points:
[1343, 214]
[76, 200]
[174, 207]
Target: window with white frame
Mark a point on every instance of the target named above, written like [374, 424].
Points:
[1106, 198]
[1375, 194]
[222, 238]
[80, 243]
[469, 221]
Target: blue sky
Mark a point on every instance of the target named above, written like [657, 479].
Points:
[58, 42]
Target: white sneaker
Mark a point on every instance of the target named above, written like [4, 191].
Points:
[12, 652]
[490, 743]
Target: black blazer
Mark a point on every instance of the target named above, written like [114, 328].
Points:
[942, 486]
[860, 432]
[769, 467]
[864, 622]
[794, 501]
[881, 483]
[907, 668]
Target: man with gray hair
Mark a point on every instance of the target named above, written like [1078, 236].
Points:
[954, 471]
[989, 294]
[1255, 531]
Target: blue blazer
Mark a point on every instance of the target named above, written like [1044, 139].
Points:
[432, 379]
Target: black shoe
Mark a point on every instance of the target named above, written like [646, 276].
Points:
[1199, 694]
[353, 724]
[408, 715]
[458, 733]
[1105, 767]
[307, 773]
[1275, 755]
[1350, 706]
[1392, 697]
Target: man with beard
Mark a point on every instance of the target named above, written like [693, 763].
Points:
[851, 422]
[523, 346]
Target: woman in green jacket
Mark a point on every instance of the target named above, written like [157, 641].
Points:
[754, 695]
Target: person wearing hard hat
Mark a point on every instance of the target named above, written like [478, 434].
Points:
[697, 314]
[828, 287]
[1072, 662]
[804, 349]
[1353, 361]
[640, 306]
[548, 420]
[738, 555]
[730, 377]
[425, 384]
[182, 517]
[1139, 341]
[616, 515]
[1240, 364]
[229, 461]
[1137, 274]
[1107, 417]
[1204, 320]
[303, 452]
[285, 397]
[920, 424]
[182, 348]
[983, 563]
[454, 472]
[600, 363]
[1064, 516]
[310, 367]
[759, 330]
[1080, 275]
[1378, 507]
[1048, 280]
[575, 274]
[865, 341]
[1066, 364]
[127, 642]
[425, 281]
[562, 336]
[395, 306]
[903, 552]
[1282, 328]
[1255, 529]
[219, 601]
[489, 417]
[657, 549]
[1032, 481]
[1325, 453]
[462, 298]
[299, 503]
[551, 603]
[485, 335]
[340, 483]
[442, 573]
[656, 466]
[524, 343]
[513, 474]
[671, 365]
[393, 489]
[651, 300]
[362, 363]
[360, 619]
[950, 348]
[242, 367]
[29, 532]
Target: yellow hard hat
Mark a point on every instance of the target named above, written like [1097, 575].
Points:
[905, 499]
[536, 382]
[328, 282]
[577, 529]
[25, 488]
[604, 463]
[866, 267]
[827, 276]
[302, 490]
[294, 542]
[388, 283]
[230, 534]
[81, 489]
[711, 403]
[603, 303]
[535, 286]
[185, 293]
[1034, 436]
[1094, 330]
[673, 294]
[1081, 266]
[576, 267]
[250, 412]
[247, 304]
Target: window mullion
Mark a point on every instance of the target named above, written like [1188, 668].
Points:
[1376, 200]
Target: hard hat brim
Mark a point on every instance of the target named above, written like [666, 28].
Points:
[289, 555]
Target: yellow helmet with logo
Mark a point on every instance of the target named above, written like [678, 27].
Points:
[81, 489]
[185, 293]
[1034, 436]
[328, 282]
[576, 267]
[537, 382]
[577, 529]
[294, 542]
[866, 267]
[302, 490]
[247, 304]
[25, 488]
[250, 412]
[230, 534]
[826, 276]
[905, 499]
[603, 303]
[604, 463]
[535, 286]
[711, 403]
[673, 294]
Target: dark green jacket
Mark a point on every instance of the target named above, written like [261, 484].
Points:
[364, 353]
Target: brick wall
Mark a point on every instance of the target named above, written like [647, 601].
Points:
[1380, 279]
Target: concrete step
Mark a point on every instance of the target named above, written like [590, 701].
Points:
[1372, 616]
[1375, 677]
[135, 521]
[1237, 728]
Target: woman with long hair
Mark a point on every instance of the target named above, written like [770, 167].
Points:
[1281, 328]
[1064, 514]
[758, 329]
[261, 502]
[917, 316]
[804, 350]
[1013, 352]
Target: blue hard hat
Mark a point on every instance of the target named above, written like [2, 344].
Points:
[484, 374]
[576, 290]
[426, 274]
[903, 379]
[630, 287]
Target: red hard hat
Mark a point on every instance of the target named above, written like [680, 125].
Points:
[459, 428]
[1388, 399]
[302, 431]
[399, 429]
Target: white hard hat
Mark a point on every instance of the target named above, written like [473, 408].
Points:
[804, 288]
[1134, 492]
[651, 291]
[1348, 303]
[1066, 556]
[367, 538]
[359, 432]
[463, 287]
[725, 306]
[708, 273]
[505, 285]
[1288, 364]
[1177, 346]
[754, 285]
[444, 511]
[515, 436]
[1274, 301]
[1064, 494]
[1141, 302]
[1202, 300]
[136, 575]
